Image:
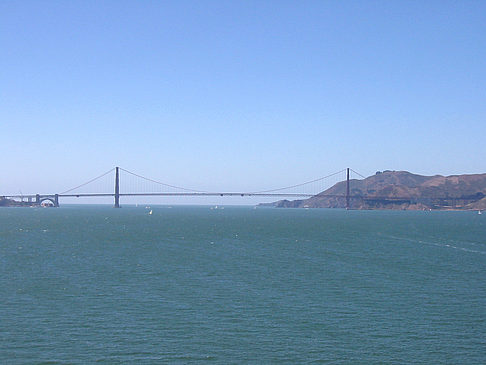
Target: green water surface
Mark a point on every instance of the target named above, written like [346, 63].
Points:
[93, 284]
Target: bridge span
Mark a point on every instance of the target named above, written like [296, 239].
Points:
[53, 199]
[141, 186]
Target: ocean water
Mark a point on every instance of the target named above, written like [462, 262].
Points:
[93, 284]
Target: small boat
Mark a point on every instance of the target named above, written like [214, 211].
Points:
[150, 213]
[479, 212]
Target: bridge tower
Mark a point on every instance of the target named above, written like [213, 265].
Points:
[117, 188]
[347, 188]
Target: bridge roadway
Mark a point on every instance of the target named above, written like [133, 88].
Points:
[54, 198]
[33, 196]
[290, 195]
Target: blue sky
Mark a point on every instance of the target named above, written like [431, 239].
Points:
[239, 94]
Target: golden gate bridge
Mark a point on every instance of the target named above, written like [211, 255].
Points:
[119, 182]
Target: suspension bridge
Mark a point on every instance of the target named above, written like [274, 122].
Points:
[119, 182]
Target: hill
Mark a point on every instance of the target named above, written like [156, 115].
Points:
[401, 190]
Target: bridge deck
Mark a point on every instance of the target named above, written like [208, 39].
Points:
[243, 194]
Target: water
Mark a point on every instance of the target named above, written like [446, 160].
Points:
[241, 285]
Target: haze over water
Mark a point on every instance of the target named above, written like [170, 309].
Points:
[81, 284]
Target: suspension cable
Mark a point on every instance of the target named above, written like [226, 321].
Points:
[161, 183]
[88, 182]
[296, 186]
[202, 191]
[357, 173]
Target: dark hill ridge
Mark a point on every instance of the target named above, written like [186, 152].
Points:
[401, 190]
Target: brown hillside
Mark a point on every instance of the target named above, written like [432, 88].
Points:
[402, 190]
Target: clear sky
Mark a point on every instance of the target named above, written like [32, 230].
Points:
[239, 94]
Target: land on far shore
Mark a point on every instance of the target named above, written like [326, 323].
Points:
[5, 202]
[401, 190]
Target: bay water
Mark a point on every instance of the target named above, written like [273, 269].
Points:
[93, 284]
